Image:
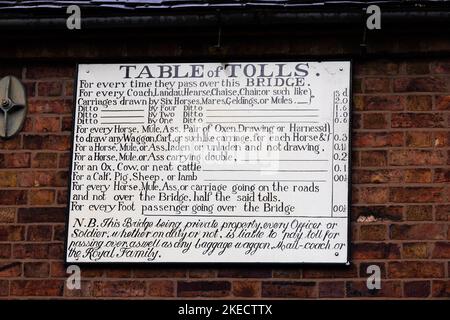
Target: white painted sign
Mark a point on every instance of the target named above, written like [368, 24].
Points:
[210, 162]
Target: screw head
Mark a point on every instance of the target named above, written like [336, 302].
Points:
[5, 102]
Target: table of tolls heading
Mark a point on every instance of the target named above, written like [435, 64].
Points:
[233, 162]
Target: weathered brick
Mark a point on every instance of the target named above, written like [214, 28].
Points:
[377, 176]
[7, 214]
[330, 272]
[422, 231]
[160, 288]
[49, 89]
[420, 139]
[37, 287]
[36, 269]
[373, 232]
[16, 160]
[417, 289]
[377, 140]
[441, 139]
[83, 292]
[372, 85]
[159, 273]
[30, 251]
[12, 233]
[373, 158]
[416, 194]
[5, 250]
[416, 67]
[42, 214]
[359, 289]
[42, 197]
[49, 71]
[416, 269]
[412, 157]
[13, 197]
[203, 288]
[441, 288]
[384, 103]
[10, 269]
[415, 250]
[332, 289]
[420, 84]
[443, 102]
[245, 273]
[373, 195]
[8, 179]
[441, 250]
[419, 213]
[44, 160]
[121, 288]
[418, 175]
[377, 213]
[50, 106]
[39, 233]
[419, 103]
[47, 124]
[375, 250]
[417, 120]
[365, 269]
[443, 213]
[246, 289]
[375, 121]
[288, 289]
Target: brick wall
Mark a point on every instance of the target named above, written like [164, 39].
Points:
[401, 195]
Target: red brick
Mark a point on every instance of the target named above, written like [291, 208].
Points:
[415, 250]
[203, 288]
[416, 194]
[377, 140]
[423, 231]
[378, 67]
[377, 85]
[10, 269]
[42, 197]
[5, 250]
[373, 232]
[412, 157]
[288, 289]
[441, 250]
[416, 67]
[11, 144]
[419, 103]
[420, 139]
[417, 289]
[246, 289]
[363, 266]
[330, 272]
[120, 288]
[442, 175]
[44, 160]
[375, 121]
[373, 158]
[7, 215]
[160, 288]
[4, 288]
[373, 195]
[39, 233]
[48, 71]
[378, 213]
[12, 233]
[441, 139]
[443, 102]
[37, 287]
[287, 273]
[443, 213]
[49, 89]
[61, 197]
[419, 213]
[420, 84]
[375, 250]
[47, 124]
[30, 251]
[377, 176]
[384, 103]
[332, 289]
[12, 197]
[31, 215]
[83, 292]
[416, 269]
[56, 251]
[36, 269]
[417, 120]
[159, 273]
[57, 142]
[68, 88]
[64, 160]
[202, 273]
[43, 178]
[50, 106]
[59, 233]
[418, 175]
[16, 160]
[8, 179]
[66, 124]
[441, 288]
[245, 273]
[359, 289]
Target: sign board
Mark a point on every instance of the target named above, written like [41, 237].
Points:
[240, 162]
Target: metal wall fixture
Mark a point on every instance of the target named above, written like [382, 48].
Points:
[13, 106]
